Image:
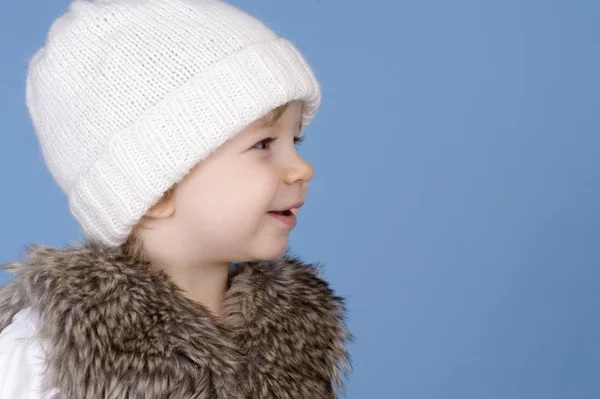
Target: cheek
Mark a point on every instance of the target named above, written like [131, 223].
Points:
[250, 192]
[237, 195]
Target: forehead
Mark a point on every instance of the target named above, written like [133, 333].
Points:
[290, 111]
[291, 116]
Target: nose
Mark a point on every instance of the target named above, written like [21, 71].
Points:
[299, 170]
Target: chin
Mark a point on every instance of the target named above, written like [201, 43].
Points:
[272, 250]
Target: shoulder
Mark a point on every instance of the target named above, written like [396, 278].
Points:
[21, 358]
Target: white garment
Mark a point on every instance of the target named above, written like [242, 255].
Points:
[22, 359]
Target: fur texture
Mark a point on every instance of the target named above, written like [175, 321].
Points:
[116, 328]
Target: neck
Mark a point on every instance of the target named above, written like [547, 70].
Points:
[203, 280]
[204, 283]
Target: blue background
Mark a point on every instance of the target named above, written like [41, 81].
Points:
[455, 201]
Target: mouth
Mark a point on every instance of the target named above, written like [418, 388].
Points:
[288, 215]
[286, 218]
[287, 212]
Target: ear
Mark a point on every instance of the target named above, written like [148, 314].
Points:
[164, 209]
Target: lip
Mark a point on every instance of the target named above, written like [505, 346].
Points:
[288, 220]
[293, 207]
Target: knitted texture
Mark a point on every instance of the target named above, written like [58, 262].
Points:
[127, 96]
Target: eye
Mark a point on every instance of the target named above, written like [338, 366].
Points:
[264, 144]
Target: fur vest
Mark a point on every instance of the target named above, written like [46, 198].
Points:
[116, 328]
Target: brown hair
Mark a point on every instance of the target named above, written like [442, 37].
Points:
[133, 245]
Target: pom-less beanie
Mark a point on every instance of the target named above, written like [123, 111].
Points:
[126, 96]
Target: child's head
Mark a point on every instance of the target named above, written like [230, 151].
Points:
[146, 111]
[221, 209]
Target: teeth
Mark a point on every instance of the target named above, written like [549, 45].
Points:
[287, 212]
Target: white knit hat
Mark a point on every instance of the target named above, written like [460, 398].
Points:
[128, 95]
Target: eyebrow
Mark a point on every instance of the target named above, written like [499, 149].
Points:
[299, 131]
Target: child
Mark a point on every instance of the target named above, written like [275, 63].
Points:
[171, 127]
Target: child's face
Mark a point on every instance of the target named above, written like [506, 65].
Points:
[222, 206]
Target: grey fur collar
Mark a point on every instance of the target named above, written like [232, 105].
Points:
[117, 329]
